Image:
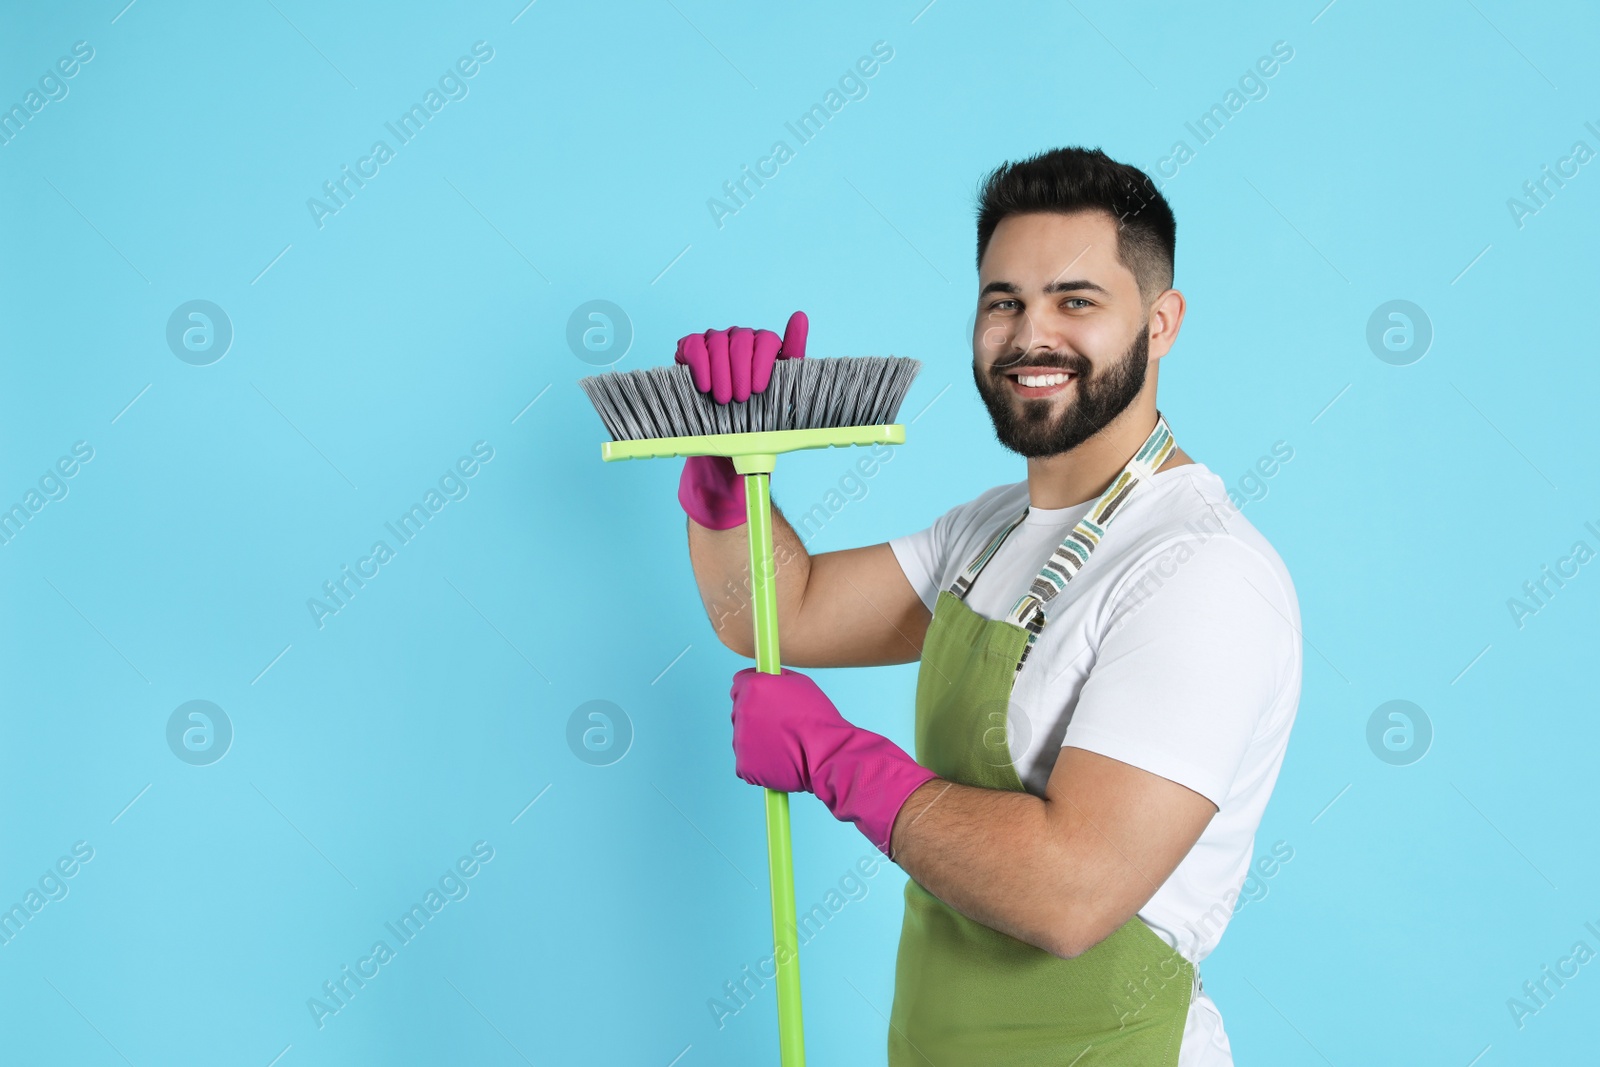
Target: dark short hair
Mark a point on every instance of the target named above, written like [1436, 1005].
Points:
[1068, 180]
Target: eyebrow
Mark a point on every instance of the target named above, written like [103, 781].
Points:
[1076, 285]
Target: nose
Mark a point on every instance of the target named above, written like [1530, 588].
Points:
[1041, 332]
[1029, 336]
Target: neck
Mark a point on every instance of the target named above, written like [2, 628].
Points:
[1083, 473]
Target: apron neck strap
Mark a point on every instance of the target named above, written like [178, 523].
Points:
[1073, 551]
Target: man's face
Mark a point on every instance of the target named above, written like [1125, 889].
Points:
[1054, 299]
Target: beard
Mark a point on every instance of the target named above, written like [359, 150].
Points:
[1026, 425]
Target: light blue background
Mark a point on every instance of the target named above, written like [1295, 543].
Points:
[371, 352]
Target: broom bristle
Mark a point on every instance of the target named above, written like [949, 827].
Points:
[808, 393]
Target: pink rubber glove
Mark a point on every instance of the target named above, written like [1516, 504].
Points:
[733, 363]
[730, 364]
[712, 492]
[787, 735]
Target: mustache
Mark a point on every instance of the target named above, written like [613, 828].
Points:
[1048, 361]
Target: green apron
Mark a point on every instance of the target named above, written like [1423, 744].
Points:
[967, 995]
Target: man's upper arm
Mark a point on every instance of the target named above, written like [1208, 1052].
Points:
[859, 610]
[870, 606]
[1127, 829]
[1180, 685]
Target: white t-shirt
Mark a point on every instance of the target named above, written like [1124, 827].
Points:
[1175, 649]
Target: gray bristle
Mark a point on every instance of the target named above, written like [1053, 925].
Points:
[807, 393]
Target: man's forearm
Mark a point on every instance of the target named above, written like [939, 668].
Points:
[721, 562]
[994, 855]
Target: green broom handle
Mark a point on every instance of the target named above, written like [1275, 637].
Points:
[780, 859]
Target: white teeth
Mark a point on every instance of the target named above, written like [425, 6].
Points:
[1037, 380]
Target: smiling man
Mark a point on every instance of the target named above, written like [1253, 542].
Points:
[1110, 659]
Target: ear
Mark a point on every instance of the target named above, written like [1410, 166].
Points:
[1166, 316]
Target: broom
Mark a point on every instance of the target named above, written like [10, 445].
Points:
[809, 403]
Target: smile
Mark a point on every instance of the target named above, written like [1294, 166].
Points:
[1046, 383]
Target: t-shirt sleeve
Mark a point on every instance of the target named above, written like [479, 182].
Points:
[1196, 649]
[922, 554]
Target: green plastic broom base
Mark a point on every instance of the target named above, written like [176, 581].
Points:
[754, 453]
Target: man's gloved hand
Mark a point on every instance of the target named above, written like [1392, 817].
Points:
[787, 735]
[730, 364]
[733, 363]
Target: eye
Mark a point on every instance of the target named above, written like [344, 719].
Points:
[997, 303]
[1080, 299]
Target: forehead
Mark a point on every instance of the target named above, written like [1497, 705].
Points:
[1034, 248]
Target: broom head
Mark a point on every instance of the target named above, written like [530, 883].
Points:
[809, 403]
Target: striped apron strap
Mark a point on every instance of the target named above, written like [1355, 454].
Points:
[1069, 557]
[965, 579]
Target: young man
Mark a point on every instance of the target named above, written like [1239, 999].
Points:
[1110, 659]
